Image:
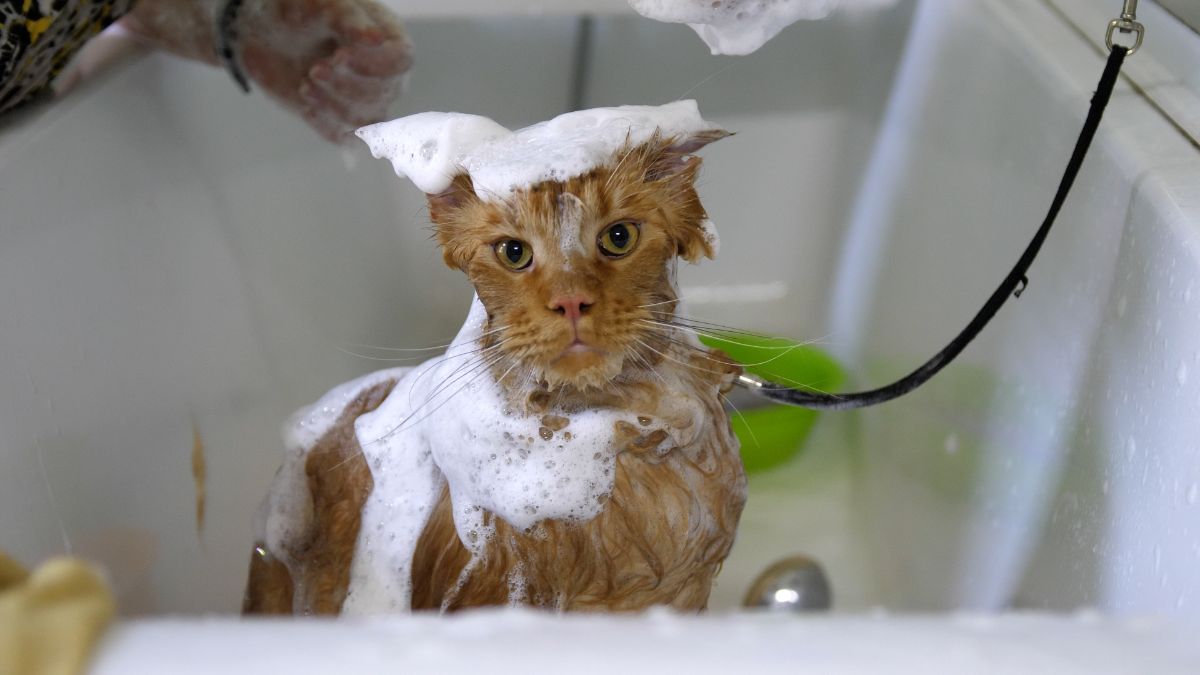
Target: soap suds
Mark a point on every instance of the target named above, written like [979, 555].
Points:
[742, 26]
[710, 236]
[285, 516]
[432, 148]
[570, 223]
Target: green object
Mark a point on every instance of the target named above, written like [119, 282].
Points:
[774, 434]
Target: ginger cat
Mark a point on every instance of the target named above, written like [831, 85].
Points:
[576, 284]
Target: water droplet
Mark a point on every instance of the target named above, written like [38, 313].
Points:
[643, 420]
[1193, 493]
[1131, 448]
[1122, 305]
[1181, 373]
[951, 444]
[428, 149]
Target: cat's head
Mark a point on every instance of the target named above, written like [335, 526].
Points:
[574, 274]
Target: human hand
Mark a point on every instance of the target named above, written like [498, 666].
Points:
[336, 63]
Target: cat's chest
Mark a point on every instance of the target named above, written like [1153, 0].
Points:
[521, 468]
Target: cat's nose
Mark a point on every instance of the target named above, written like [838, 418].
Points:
[571, 306]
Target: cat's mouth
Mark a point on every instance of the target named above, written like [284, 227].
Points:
[578, 346]
[578, 359]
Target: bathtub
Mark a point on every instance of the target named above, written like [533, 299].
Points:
[182, 262]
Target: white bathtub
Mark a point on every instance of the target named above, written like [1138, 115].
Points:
[175, 254]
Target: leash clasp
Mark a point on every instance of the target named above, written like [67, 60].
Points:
[1127, 23]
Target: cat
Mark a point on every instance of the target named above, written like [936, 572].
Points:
[575, 304]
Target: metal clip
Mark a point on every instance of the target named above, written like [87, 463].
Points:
[1126, 24]
[748, 381]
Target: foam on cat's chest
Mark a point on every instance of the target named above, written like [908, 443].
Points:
[432, 148]
[447, 424]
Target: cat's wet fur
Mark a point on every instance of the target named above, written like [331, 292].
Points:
[576, 329]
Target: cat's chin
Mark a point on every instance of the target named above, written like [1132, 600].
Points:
[583, 367]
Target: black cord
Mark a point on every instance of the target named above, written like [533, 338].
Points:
[1013, 284]
[226, 35]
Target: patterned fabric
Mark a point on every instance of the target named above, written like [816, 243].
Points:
[39, 37]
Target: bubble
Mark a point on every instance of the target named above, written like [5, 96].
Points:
[951, 444]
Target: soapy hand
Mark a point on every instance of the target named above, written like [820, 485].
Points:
[336, 63]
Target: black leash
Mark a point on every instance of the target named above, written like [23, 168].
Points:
[1013, 284]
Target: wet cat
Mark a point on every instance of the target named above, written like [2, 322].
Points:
[570, 451]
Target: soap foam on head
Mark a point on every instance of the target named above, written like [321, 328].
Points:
[432, 148]
[742, 26]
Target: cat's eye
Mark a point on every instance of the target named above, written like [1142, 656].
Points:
[618, 239]
[514, 254]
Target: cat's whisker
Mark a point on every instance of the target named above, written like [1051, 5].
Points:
[500, 380]
[469, 366]
[398, 427]
[783, 351]
[449, 343]
[703, 353]
[387, 359]
[488, 351]
[709, 325]
[736, 411]
[650, 368]
[402, 359]
[682, 363]
[480, 368]
[474, 375]
[656, 304]
[716, 329]
[722, 338]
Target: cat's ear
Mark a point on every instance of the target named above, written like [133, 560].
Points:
[673, 157]
[446, 205]
[446, 210]
[673, 165]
